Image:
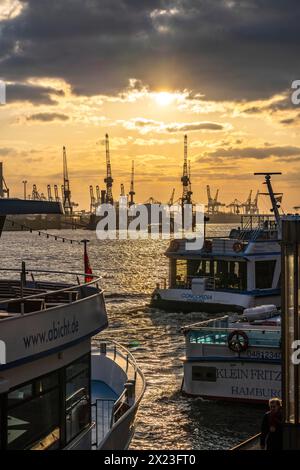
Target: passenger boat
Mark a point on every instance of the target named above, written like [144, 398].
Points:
[59, 388]
[227, 274]
[235, 358]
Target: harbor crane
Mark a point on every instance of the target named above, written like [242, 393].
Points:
[190, 192]
[254, 205]
[35, 196]
[186, 189]
[56, 196]
[247, 205]
[93, 200]
[171, 200]
[213, 205]
[132, 192]
[235, 206]
[4, 191]
[152, 200]
[49, 191]
[98, 195]
[68, 206]
[108, 180]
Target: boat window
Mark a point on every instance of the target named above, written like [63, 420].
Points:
[264, 273]
[33, 414]
[230, 274]
[203, 268]
[204, 374]
[181, 272]
[77, 397]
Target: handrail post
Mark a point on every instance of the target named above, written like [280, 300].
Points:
[23, 283]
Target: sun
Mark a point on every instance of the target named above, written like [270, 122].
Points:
[164, 98]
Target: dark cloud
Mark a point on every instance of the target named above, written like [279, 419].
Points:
[149, 125]
[48, 117]
[5, 151]
[281, 104]
[290, 121]
[33, 93]
[259, 153]
[237, 49]
[195, 126]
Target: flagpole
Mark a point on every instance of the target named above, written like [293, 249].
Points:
[85, 257]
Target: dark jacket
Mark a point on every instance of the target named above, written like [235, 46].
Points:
[271, 439]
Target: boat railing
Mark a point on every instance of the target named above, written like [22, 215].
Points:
[36, 294]
[256, 337]
[255, 224]
[125, 407]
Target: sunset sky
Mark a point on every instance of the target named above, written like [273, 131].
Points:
[147, 72]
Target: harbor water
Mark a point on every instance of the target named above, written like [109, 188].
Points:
[130, 270]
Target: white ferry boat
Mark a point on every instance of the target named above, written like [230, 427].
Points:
[234, 358]
[229, 273]
[58, 388]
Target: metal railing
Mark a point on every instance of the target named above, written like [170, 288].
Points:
[42, 293]
[102, 418]
[124, 409]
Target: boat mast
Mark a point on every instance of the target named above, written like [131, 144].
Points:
[275, 206]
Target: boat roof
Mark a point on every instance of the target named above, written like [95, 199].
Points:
[14, 206]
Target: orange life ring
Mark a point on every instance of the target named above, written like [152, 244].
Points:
[238, 247]
[238, 341]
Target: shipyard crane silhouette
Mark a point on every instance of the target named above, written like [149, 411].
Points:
[213, 205]
[108, 180]
[56, 196]
[247, 205]
[49, 191]
[254, 205]
[186, 189]
[190, 192]
[68, 207]
[4, 190]
[35, 194]
[93, 200]
[171, 200]
[98, 195]
[132, 192]
[122, 192]
[235, 206]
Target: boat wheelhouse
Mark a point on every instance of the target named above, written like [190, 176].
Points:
[229, 273]
[234, 359]
[58, 389]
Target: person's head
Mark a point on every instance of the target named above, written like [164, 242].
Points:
[274, 404]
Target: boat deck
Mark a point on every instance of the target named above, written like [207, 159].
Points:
[22, 297]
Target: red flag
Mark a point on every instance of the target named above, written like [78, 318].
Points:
[87, 266]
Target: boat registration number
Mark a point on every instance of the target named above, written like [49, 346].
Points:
[273, 355]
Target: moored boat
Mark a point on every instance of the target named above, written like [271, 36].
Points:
[58, 390]
[235, 358]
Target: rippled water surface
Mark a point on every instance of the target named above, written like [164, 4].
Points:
[130, 270]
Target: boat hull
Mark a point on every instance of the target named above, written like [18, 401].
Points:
[247, 381]
[183, 300]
